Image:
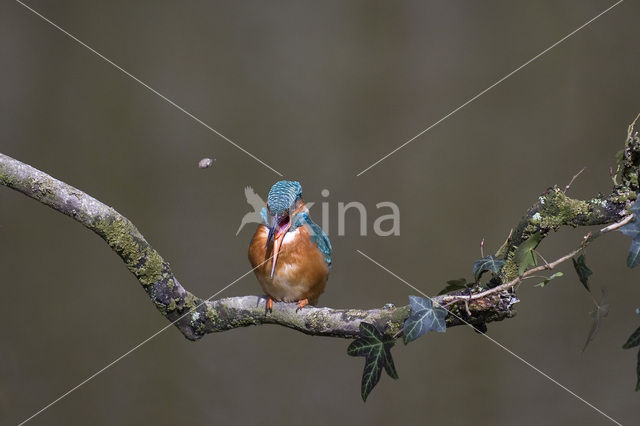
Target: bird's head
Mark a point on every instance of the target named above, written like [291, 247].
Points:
[282, 201]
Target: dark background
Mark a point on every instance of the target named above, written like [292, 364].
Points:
[318, 90]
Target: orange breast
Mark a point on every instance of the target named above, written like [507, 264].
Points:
[301, 270]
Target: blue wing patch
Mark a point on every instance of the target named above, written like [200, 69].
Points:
[318, 237]
[321, 240]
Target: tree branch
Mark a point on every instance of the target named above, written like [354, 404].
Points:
[195, 317]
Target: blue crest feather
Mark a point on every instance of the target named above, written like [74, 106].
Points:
[283, 195]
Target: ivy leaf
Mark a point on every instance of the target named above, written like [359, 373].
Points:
[583, 271]
[376, 349]
[545, 282]
[453, 285]
[638, 372]
[525, 255]
[633, 341]
[632, 230]
[487, 263]
[423, 318]
[601, 311]
[633, 259]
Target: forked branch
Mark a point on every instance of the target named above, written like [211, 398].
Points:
[195, 317]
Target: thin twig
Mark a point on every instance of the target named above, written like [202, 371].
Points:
[566, 188]
[541, 257]
[448, 300]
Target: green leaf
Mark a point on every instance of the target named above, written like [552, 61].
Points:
[638, 372]
[601, 311]
[487, 263]
[545, 282]
[583, 271]
[376, 348]
[633, 259]
[633, 341]
[525, 255]
[423, 318]
[453, 285]
[632, 229]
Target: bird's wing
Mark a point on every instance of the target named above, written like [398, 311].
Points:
[318, 237]
[253, 199]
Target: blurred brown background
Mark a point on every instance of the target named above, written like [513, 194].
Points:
[318, 90]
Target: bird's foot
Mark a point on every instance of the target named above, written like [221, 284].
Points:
[269, 304]
[302, 303]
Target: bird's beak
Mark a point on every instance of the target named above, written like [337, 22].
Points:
[277, 233]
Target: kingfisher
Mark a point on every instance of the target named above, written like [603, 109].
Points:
[290, 254]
